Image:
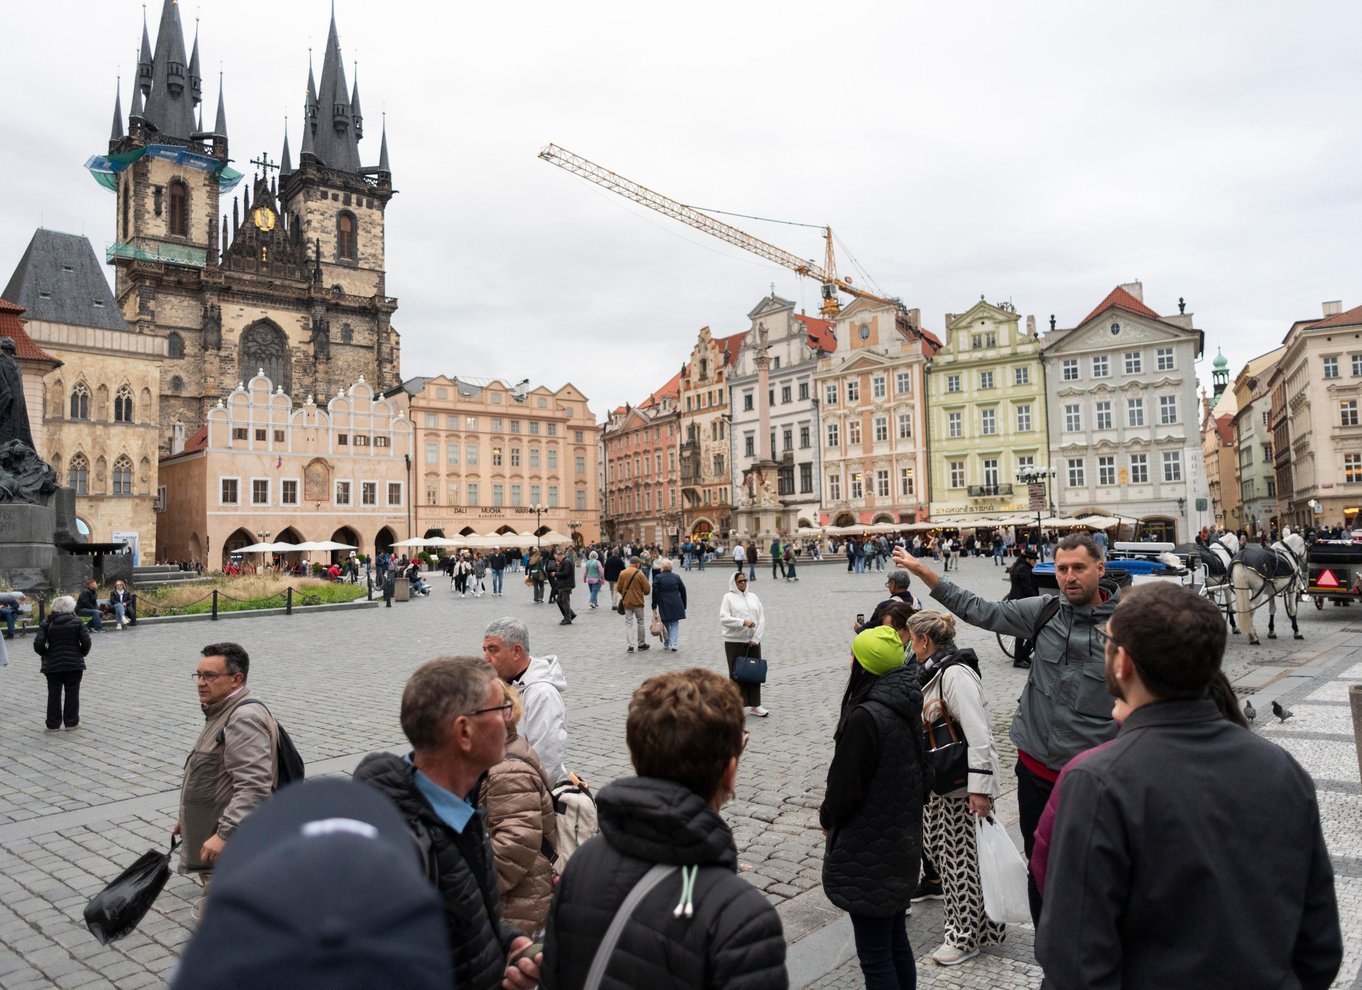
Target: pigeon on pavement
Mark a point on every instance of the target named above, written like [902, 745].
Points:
[1250, 712]
[1282, 713]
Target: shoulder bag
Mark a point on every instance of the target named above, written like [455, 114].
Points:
[748, 669]
[620, 606]
[944, 743]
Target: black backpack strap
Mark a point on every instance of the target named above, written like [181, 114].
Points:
[222, 733]
[1046, 613]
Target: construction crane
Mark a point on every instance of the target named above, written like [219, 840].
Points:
[618, 184]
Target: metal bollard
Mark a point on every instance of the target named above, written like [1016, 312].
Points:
[388, 590]
[1355, 699]
[288, 601]
[215, 604]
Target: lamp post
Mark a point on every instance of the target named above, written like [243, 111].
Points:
[538, 511]
[572, 531]
[262, 536]
[1029, 474]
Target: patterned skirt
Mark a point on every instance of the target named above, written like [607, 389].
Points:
[948, 832]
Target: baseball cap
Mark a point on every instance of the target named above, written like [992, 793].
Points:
[1030, 554]
[320, 887]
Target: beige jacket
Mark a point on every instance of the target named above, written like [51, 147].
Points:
[224, 781]
[519, 807]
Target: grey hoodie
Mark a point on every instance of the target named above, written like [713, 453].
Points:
[544, 721]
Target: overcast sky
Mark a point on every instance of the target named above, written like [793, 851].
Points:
[1039, 152]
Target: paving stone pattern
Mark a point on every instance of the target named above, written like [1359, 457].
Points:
[77, 806]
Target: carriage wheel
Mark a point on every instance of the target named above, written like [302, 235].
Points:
[1008, 644]
[1319, 603]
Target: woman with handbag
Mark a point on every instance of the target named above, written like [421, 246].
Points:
[954, 708]
[872, 810]
[669, 603]
[744, 627]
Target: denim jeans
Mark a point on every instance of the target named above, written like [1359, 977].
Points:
[885, 955]
[595, 589]
[496, 582]
[96, 617]
[673, 633]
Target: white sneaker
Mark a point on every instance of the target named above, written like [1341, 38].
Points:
[949, 955]
[758, 711]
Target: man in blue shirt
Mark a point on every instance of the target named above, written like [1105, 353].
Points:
[455, 715]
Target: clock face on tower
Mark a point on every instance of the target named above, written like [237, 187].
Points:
[264, 218]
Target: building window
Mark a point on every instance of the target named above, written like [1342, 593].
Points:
[360, 441]
[452, 453]
[534, 457]
[1139, 469]
[878, 387]
[1076, 472]
[80, 401]
[239, 433]
[1026, 461]
[1357, 365]
[834, 488]
[1331, 367]
[1348, 412]
[881, 428]
[954, 427]
[853, 390]
[1024, 418]
[988, 421]
[1134, 362]
[122, 476]
[1106, 470]
[123, 405]
[854, 430]
[834, 439]
[990, 467]
[394, 493]
[579, 464]
[1101, 366]
[498, 424]
[1163, 358]
[471, 454]
[882, 483]
[498, 494]
[288, 492]
[1135, 412]
[1168, 409]
[952, 383]
[260, 491]
[902, 382]
[857, 487]
[905, 426]
[905, 482]
[176, 384]
[347, 244]
[552, 462]
[803, 441]
[473, 493]
[179, 209]
[1104, 415]
[342, 493]
[985, 379]
[578, 436]
[471, 423]
[785, 395]
[1021, 375]
[806, 478]
[1172, 465]
[553, 496]
[1073, 421]
[432, 453]
[1070, 369]
[342, 440]
[368, 493]
[1352, 468]
[957, 473]
[229, 494]
[496, 457]
[553, 429]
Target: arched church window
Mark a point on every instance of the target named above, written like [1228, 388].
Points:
[78, 475]
[80, 401]
[175, 346]
[122, 476]
[265, 346]
[346, 242]
[176, 384]
[123, 405]
[179, 209]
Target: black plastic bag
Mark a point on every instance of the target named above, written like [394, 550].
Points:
[119, 908]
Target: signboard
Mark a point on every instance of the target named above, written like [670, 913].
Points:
[1202, 504]
[133, 541]
[1036, 496]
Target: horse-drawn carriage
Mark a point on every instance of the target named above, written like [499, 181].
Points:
[1335, 571]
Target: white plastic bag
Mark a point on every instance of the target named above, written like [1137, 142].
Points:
[1002, 873]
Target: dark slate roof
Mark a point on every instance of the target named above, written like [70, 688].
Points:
[334, 149]
[45, 288]
[171, 114]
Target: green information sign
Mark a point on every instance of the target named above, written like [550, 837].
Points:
[1202, 504]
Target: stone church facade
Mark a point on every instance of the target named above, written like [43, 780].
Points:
[292, 284]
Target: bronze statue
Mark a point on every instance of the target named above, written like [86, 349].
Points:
[23, 475]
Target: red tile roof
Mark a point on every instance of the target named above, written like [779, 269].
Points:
[12, 326]
[821, 336]
[199, 440]
[1345, 319]
[931, 338]
[731, 346]
[670, 390]
[1224, 426]
[1121, 299]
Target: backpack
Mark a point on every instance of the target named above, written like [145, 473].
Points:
[577, 822]
[290, 765]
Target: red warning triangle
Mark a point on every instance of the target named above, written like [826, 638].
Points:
[1326, 579]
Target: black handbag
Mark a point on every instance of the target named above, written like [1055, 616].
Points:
[748, 669]
[117, 910]
[946, 748]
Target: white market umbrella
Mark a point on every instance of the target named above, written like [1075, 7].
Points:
[264, 548]
[324, 545]
[1097, 522]
[553, 536]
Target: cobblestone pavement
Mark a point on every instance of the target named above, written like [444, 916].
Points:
[77, 806]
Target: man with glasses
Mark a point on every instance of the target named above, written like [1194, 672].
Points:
[897, 583]
[454, 714]
[1188, 852]
[232, 766]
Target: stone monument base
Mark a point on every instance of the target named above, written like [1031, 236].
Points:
[28, 556]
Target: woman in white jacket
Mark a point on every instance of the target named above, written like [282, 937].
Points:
[744, 625]
[949, 682]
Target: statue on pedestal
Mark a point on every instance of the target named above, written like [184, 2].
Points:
[24, 477]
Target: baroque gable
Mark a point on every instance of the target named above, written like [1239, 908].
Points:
[1096, 335]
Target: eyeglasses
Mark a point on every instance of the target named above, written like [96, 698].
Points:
[1104, 637]
[504, 708]
[208, 678]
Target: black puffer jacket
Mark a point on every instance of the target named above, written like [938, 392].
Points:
[873, 809]
[461, 867]
[734, 939]
[62, 642]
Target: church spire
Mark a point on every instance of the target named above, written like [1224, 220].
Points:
[170, 105]
[354, 107]
[220, 125]
[285, 160]
[195, 80]
[136, 113]
[116, 134]
[335, 140]
[383, 149]
[144, 69]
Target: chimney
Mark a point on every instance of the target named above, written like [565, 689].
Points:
[950, 318]
[1135, 288]
[1333, 307]
[177, 438]
[915, 317]
[1030, 326]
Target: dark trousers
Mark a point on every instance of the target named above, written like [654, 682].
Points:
[564, 599]
[538, 589]
[885, 955]
[1033, 793]
[777, 568]
[59, 713]
[751, 693]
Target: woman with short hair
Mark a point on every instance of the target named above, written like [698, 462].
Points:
[63, 642]
[669, 602]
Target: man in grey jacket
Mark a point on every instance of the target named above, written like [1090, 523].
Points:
[1065, 707]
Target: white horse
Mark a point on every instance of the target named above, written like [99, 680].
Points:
[1259, 573]
[1214, 562]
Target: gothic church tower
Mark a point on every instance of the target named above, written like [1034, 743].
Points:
[293, 283]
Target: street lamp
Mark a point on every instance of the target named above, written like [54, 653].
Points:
[1029, 474]
[572, 531]
[538, 511]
